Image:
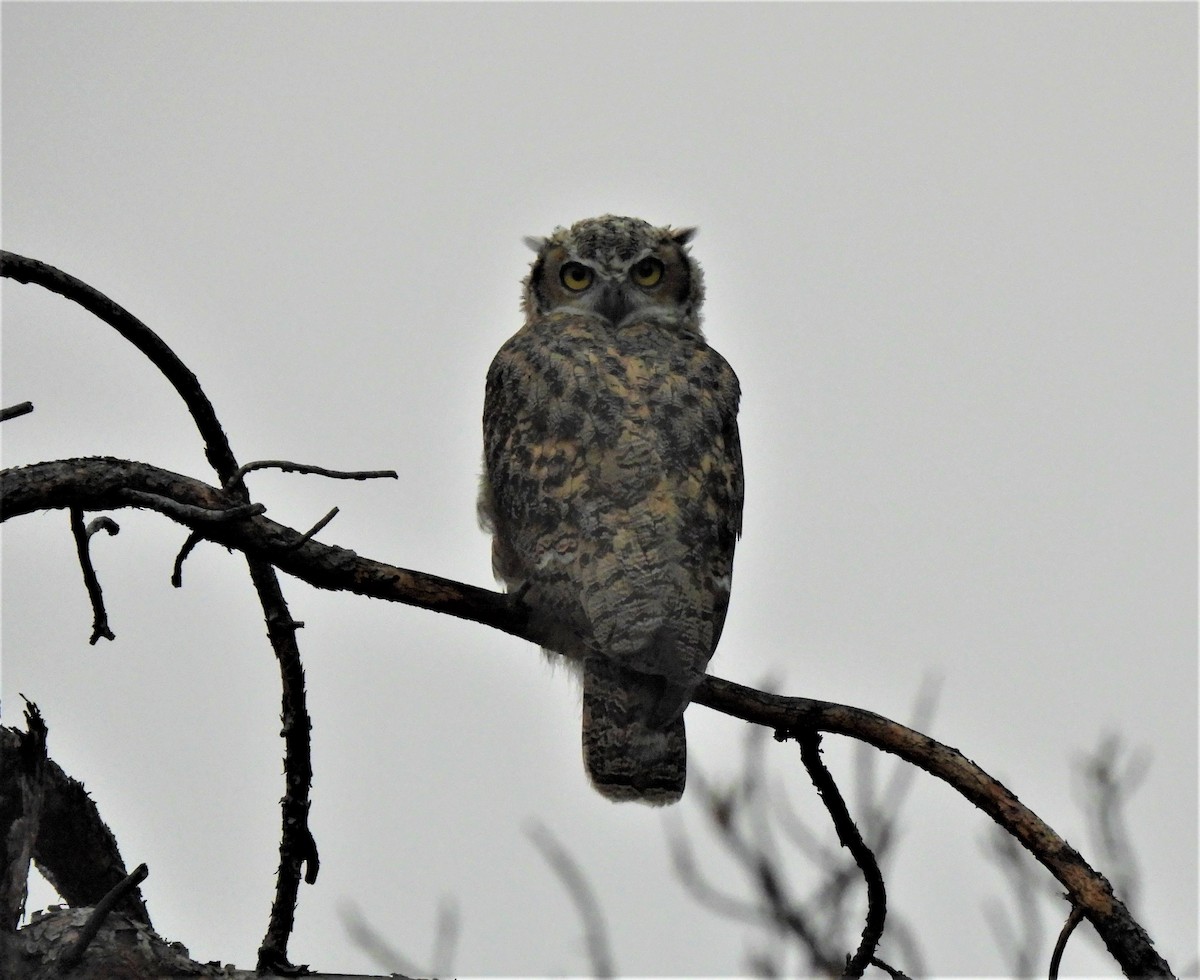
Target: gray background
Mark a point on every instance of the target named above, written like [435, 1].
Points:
[951, 252]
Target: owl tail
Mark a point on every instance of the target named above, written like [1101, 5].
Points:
[634, 746]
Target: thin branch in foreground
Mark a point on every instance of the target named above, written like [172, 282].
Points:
[297, 846]
[1060, 946]
[289, 467]
[15, 411]
[110, 901]
[82, 535]
[810, 754]
[568, 872]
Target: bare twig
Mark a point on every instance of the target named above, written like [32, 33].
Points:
[81, 534]
[312, 531]
[851, 839]
[102, 523]
[15, 411]
[289, 467]
[189, 545]
[729, 811]
[891, 971]
[187, 513]
[371, 941]
[572, 878]
[26, 270]
[297, 847]
[1060, 946]
[99, 484]
[72, 956]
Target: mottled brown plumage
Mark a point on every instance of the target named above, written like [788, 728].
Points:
[612, 484]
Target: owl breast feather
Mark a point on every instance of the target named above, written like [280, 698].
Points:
[614, 476]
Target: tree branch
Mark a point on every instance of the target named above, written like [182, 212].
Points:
[125, 887]
[296, 846]
[104, 484]
[216, 444]
[99, 483]
[83, 536]
[1124, 938]
[15, 411]
[851, 839]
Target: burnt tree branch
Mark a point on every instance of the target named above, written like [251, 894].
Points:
[297, 849]
[99, 483]
[850, 838]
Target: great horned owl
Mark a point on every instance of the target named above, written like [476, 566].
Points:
[612, 483]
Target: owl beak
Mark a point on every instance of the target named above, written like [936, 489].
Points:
[612, 303]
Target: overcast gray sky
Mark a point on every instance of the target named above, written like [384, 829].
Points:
[950, 251]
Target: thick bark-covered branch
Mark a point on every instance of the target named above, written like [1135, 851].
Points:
[100, 484]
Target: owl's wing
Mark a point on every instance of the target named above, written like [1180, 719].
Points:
[656, 588]
[727, 487]
[534, 449]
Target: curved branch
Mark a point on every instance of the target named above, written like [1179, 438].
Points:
[99, 483]
[216, 444]
[297, 847]
[83, 535]
[287, 466]
[827, 789]
[1124, 938]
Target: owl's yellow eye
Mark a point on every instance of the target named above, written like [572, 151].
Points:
[648, 272]
[575, 276]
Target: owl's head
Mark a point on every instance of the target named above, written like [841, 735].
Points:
[621, 269]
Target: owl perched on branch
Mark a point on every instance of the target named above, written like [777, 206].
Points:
[612, 483]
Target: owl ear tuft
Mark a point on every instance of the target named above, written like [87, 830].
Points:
[681, 236]
[534, 242]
